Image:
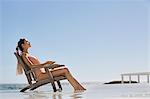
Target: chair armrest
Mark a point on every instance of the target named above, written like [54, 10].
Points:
[49, 66]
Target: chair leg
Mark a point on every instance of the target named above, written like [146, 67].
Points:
[54, 87]
[59, 85]
[24, 89]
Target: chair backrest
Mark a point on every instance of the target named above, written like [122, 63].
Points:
[30, 75]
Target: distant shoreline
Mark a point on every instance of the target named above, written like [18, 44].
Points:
[119, 82]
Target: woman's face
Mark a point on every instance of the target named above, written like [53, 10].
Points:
[26, 44]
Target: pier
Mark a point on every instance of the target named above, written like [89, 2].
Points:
[136, 74]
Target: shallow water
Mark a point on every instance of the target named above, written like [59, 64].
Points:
[95, 90]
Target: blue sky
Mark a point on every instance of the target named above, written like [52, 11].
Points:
[96, 40]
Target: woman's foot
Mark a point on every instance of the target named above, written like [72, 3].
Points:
[80, 89]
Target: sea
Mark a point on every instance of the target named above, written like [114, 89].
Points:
[95, 90]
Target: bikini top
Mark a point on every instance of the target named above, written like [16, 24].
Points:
[33, 60]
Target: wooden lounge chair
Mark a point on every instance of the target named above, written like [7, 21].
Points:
[33, 82]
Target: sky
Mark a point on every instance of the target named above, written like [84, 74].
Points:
[96, 39]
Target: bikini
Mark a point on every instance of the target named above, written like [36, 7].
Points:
[35, 61]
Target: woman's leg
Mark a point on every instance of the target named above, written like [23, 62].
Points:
[65, 72]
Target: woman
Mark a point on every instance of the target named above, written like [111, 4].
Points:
[32, 61]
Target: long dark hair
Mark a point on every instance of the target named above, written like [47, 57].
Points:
[19, 45]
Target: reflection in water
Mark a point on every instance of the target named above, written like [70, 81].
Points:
[57, 95]
[77, 96]
[35, 95]
[72, 95]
